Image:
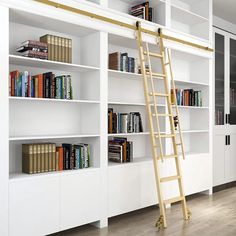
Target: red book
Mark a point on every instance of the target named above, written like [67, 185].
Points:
[14, 75]
[60, 150]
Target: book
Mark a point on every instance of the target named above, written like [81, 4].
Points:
[27, 158]
[114, 61]
[48, 40]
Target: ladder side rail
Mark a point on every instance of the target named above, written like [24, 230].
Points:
[148, 107]
[155, 102]
[178, 169]
[175, 103]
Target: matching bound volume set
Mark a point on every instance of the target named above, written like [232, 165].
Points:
[47, 157]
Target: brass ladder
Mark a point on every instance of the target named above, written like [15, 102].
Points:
[151, 97]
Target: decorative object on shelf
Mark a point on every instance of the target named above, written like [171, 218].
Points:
[59, 48]
[122, 62]
[120, 150]
[46, 85]
[187, 97]
[124, 122]
[33, 49]
[142, 11]
[46, 157]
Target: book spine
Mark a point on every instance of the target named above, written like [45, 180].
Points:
[36, 87]
[57, 161]
[59, 49]
[53, 154]
[63, 49]
[70, 51]
[42, 147]
[52, 45]
[38, 158]
[35, 158]
[56, 48]
[46, 157]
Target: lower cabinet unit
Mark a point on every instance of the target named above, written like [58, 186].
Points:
[224, 164]
[34, 206]
[45, 205]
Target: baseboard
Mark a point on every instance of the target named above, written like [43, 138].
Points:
[224, 186]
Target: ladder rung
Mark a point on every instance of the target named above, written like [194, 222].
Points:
[166, 64]
[159, 94]
[173, 200]
[170, 178]
[162, 115]
[165, 136]
[156, 75]
[178, 144]
[153, 54]
[170, 156]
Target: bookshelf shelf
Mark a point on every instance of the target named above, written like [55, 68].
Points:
[51, 65]
[123, 75]
[131, 104]
[128, 134]
[45, 175]
[29, 99]
[182, 81]
[193, 18]
[69, 136]
[192, 107]
[137, 161]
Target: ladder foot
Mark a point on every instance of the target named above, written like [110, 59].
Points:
[189, 214]
[160, 223]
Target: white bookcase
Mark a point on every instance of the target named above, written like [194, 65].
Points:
[42, 204]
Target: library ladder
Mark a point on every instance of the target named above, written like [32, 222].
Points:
[152, 97]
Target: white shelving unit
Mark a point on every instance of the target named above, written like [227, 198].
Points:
[53, 202]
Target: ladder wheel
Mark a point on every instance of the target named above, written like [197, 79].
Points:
[160, 223]
[189, 214]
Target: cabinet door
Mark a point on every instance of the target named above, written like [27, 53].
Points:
[218, 159]
[219, 79]
[230, 159]
[232, 92]
[34, 206]
[80, 198]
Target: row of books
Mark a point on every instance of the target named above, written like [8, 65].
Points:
[46, 85]
[59, 48]
[124, 122]
[46, 157]
[187, 97]
[143, 11]
[122, 62]
[120, 150]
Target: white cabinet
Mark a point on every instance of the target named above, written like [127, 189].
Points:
[224, 145]
[34, 206]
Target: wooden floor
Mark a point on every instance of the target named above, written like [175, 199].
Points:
[211, 216]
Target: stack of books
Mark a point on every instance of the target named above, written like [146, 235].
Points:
[219, 116]
[46, 85]
[59, 48]
[187, 97]
[33, 49]
[143, 11]
[120, 150]
[124, 122]
[46, 157]
[122, 62]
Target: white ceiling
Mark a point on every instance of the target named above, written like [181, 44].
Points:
[225, 9]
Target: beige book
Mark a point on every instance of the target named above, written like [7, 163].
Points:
[53, 156]
[57, 161]
[42, 147]
[53, 47]
[27, 158]
[35, 165]
[59, 49]
[63, 44]
[49, 157]
[38, 158]
[48, 39]
[70, 51]
[66, 50]
[46, 157]
[56, 48]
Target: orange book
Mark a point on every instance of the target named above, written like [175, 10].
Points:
[14, 75]
[40, 85]
[60, 151]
